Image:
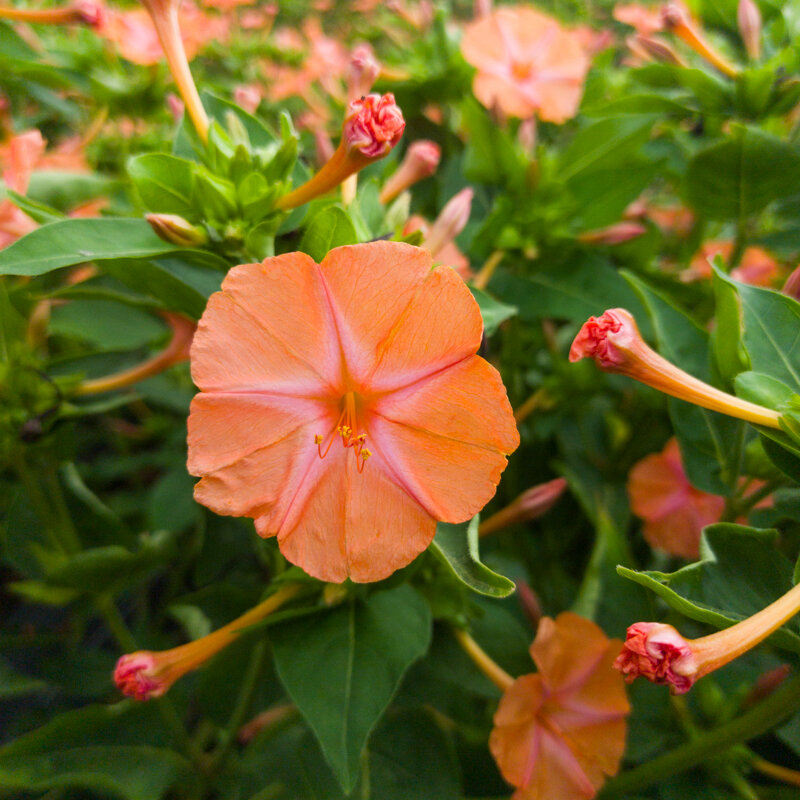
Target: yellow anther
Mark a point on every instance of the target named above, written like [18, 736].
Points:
[365, 454]
[317, 439]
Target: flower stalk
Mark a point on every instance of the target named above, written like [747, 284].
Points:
[493, 671]
[614, 342]
[144, 674]
[678, 21]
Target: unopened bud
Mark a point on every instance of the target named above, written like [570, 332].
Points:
[248, 97]
[676, 19]
[792, 285]
[362, 71]
[373, 125]
[451, 221]
[176, 230]
[655, 49]
[421, 161]
[530, 505]
[613, 234]
[749, 18]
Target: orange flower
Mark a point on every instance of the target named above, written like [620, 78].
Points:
[674, 512]
[559, 733]
[757, 267]
[342, 406]
[18, 158]
[527, 64]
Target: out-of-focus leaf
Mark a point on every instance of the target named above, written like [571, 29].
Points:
[741, 573]
[342, 668]
[76, 241]
[15, 684]
[740, 176]
[329, 228]
[65, 191]
[457, 546]
[74, 750]
[494, 312]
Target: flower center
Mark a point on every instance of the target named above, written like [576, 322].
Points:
[347, 429]
[521, 70]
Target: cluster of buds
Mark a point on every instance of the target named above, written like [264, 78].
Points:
[657, 651]
[614, 342]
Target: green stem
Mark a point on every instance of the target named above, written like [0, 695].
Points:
[243, 703]
[40, 503]
[780, 705]
[67, 526]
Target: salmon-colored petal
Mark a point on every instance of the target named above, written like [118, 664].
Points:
[369, 287]
[567, 649]
[654, 488]
[484, 43]
[493, 90]
[286, 295]
[224, 428]
[559, 100]
[440, 326]
[349, 524]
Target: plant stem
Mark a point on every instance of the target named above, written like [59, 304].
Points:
[780, 705]
[493, 671]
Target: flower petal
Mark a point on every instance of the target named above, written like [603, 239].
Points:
[269, 329]
[349, 524]
[369, 287]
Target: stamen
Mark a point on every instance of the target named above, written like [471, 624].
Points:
[346, 427]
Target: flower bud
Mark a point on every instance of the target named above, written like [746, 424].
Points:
[176, 106]
[142, 676]
[176, 230]
[362, 71]
[655, 49]
[749, 18]
[613, 234]
[248, 97]
[531, 504]
[614, 342]
[677, 20]
[421, 161]
[373, 125]
[451, 221]
[792, 285]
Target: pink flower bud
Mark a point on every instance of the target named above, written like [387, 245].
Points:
[362, 72]
[749, 18]
[659, 653]
[792, 285]
[654, 49]
[531, 504]
[451, 221]
[175, 106]
[614, 234]
[421, 161]
[138, 675]
[248, 97]
[373, 125]
[92, 12]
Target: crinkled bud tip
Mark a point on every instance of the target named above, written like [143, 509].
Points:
[659, 653]
[137, 675]
[373, 125]
[606, 339]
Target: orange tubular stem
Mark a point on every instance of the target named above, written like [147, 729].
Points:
[166, 22]
[42, 16]
[692, 37]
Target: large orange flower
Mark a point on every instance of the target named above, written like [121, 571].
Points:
[342, 406]
[527, 64]
[559, 733]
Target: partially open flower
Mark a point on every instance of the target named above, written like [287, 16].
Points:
[559, 733]
[421, 160]
[614, 342]
[659, 653]
[372, 126]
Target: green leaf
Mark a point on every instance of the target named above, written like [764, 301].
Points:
[342, 668]
[490, 155]
[76, 241]
[64, 191]
[73, 751]
[108, 569]
[709, 442]
[740, 176]
[15, 684]
[741, 573]
[457, 546]
[494, 312]
[327, 229]
[769, 325]
[165, 183]
[38, 212]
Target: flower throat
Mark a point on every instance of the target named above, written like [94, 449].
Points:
[347, 429]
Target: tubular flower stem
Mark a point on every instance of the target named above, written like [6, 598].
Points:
[659, 653]
[614, 342]
[493, 671]
[145, 675]
[177, 350]
[85, 11]
[531, 504]
[165, 19]
[372, 127]
[677, 20]
[481, 280]
[421, 161]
